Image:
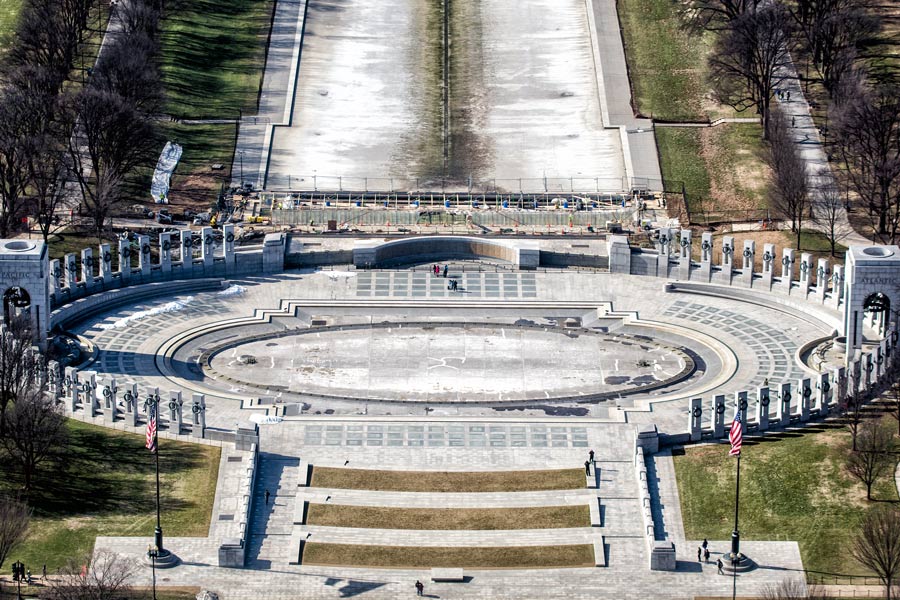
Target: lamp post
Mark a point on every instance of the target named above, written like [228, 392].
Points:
[153, 406]
[241, 157]
[152, 553]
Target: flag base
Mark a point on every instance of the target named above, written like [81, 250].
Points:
[164, 560]
[737, 564]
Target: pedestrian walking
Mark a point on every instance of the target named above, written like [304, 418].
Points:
[705, 544]
[420, 588]
[789, 95]
[720, 565]
[699, 553]
[267, 497]
[445, 271]
[591, 455]
[587, 467]
[706, 555]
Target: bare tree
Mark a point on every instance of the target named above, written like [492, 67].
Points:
[867, 132]
[105, 579]
[17, 365]
[749, 60]
[831, 29]
[872, 457]
[128, 69]
[35, 432]
[877, 545]
[829, 209]
[715, 15]
[14, 517]
[111, 137]
[793, 589]
[789, 192]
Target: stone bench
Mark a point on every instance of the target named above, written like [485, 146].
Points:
[447, 575]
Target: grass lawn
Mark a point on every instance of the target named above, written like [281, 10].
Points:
[680, 159]
[447, 481]
[423, 556]
[382, 517]
[818, 243]
[213, 54]
[9, 18]
[665, 62]
[106, 486]
[793, 487]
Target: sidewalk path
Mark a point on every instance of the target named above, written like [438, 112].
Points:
[812, 150]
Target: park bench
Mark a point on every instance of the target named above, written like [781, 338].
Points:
[447, 575]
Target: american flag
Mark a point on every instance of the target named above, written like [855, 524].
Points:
[151, 427]
[736, 435]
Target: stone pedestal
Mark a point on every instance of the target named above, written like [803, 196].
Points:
[695, 419]
[662, 556]
[719, 416]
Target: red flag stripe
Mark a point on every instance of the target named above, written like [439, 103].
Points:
[736, 435]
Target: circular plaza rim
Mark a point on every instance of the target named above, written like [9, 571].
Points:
[213, 376]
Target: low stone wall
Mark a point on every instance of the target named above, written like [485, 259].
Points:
[233, 551]
[73, 312]
[369, 254]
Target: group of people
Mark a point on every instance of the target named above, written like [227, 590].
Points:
[703, 555]
[436, 269]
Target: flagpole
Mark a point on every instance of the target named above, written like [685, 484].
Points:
[735, 534]
[158, 534]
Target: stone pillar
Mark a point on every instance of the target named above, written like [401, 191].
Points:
[273, 253]
[187, 251]
[869, 369]
[109, 400]
[72, 389]
[130, 398]
[806, 268]
[740, 406]
[784, 405]
[105, 263]
[823, 394]
[124, 259]
[228, 248]
[695, 419]
[54, 380]
[71, 271]
[747, 263]
[727, 259]
[855, 377]
[87, 266]
[837, 286]
[719, 416]
[684, 256]
[198, 414]
[663, 247]
[706, 252]
[207, 248]
[54, 277]
[787, 269]
[804, 389]
[840, 382]
[822, 276]
[175, 416]
[144, 257]
[881, 354]
[763, 400]
[165, 252]
[88, 381]
[617, 248]
[768, 265]
[153, 392]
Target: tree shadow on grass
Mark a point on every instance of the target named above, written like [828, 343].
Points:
[105, 473]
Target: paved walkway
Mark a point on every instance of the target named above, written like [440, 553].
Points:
[812, 150]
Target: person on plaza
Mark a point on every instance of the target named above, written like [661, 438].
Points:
[445, 271]
[720, 565]
[420, 588]
[699, 553]
[706, 555]
[587, 467]
[705, 544]
[591, 455]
